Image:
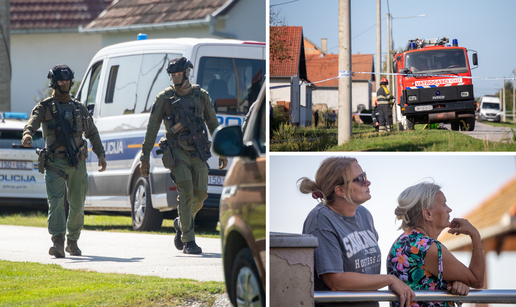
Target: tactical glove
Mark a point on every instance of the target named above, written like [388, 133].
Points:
[223, 162]
[144, 168]
[102, 163]
[27, 140]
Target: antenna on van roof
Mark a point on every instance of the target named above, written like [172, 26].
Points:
[142, 36]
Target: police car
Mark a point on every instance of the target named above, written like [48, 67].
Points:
[20, 180]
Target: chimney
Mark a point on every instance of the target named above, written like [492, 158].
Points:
[324, 42]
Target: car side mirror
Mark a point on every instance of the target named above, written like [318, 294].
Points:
[227, 141]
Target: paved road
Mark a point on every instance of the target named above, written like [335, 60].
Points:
[488, 132]
[110, 252]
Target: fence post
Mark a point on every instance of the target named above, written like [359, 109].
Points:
[292, 269]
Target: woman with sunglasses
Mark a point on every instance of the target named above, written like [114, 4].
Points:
[348, 256]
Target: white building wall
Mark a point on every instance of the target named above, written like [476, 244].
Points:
[279, 94]
[248, 26]
[360, 94]
[33, 55]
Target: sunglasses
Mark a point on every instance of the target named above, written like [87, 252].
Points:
[362, 179]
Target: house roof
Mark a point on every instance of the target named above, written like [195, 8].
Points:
[327, 66]
[125, 13]
[30, 15]
[293, 42]
[496, 216]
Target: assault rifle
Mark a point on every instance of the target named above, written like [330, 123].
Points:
[64, 135]
[196, 126]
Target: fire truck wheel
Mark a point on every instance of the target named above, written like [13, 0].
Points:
[468, 124]
[455, 126]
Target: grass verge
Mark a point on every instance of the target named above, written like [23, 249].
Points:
[364, 138]
[34, 284]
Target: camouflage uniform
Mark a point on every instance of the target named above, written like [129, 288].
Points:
[190, 173]
[76, 181]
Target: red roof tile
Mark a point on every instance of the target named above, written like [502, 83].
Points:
[54, 14]
[293, 39]
[322, 68]
[139, 12]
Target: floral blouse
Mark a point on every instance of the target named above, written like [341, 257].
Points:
[406, 260]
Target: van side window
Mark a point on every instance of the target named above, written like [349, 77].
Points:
[153, 79]
[124, 89]
[88, 92]
[233, 83]
[111, 84]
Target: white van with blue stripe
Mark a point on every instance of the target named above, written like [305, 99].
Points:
[119, 89]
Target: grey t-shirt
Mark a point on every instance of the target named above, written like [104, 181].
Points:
[346, 244]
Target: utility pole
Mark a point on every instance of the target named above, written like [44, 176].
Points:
[344, 133]
[391, 82]
[378, 42]
[513, 101]
[5, 61]
[503, 101]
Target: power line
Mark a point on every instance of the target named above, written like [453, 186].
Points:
[283, 3]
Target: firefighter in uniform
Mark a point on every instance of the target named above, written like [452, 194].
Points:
[64, 121]
[385, 102]
[186, 160]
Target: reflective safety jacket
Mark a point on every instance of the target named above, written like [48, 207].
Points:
[383, 96]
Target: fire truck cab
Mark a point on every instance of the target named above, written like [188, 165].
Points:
[434, 84]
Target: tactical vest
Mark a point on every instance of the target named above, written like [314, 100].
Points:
[179, 136]
[72, 113]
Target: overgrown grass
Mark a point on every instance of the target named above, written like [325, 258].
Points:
[365, 138]
[34, 284]
[38, 218]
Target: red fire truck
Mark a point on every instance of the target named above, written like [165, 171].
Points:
[432, 85]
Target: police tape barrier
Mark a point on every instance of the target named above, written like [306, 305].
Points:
[347, 74]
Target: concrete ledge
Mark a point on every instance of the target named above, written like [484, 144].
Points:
[292, 240]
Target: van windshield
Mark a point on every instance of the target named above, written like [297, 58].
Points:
[491, 105]
[233, 83]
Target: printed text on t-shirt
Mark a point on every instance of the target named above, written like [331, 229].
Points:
[358, 241]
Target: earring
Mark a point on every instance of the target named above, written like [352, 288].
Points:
[344, 197]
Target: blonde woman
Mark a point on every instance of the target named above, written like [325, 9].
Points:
[348, 256]
[418, 258]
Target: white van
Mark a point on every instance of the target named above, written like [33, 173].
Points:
[489, 109]
[119, 89]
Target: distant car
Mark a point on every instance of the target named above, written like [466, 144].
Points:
[20, 180]
[242, 207]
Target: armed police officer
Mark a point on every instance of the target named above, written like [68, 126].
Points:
[64, 121]
[385, 102]
[186, 110]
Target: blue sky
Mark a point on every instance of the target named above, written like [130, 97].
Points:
[483, 26]
[467, 181]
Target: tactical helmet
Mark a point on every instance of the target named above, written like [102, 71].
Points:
[384, 82]
[60, 72]
[178, 64]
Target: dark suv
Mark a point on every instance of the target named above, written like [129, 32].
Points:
[242, 206]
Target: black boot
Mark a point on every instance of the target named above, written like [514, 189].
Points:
[58, 249]
[191, 248]
[177, 239]
[72, 248]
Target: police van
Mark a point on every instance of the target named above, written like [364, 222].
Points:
[119, 88]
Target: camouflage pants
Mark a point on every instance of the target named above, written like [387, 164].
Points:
[190, 176]
[77, 187]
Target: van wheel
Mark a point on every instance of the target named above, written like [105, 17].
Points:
[246, 286]
[145, 218]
